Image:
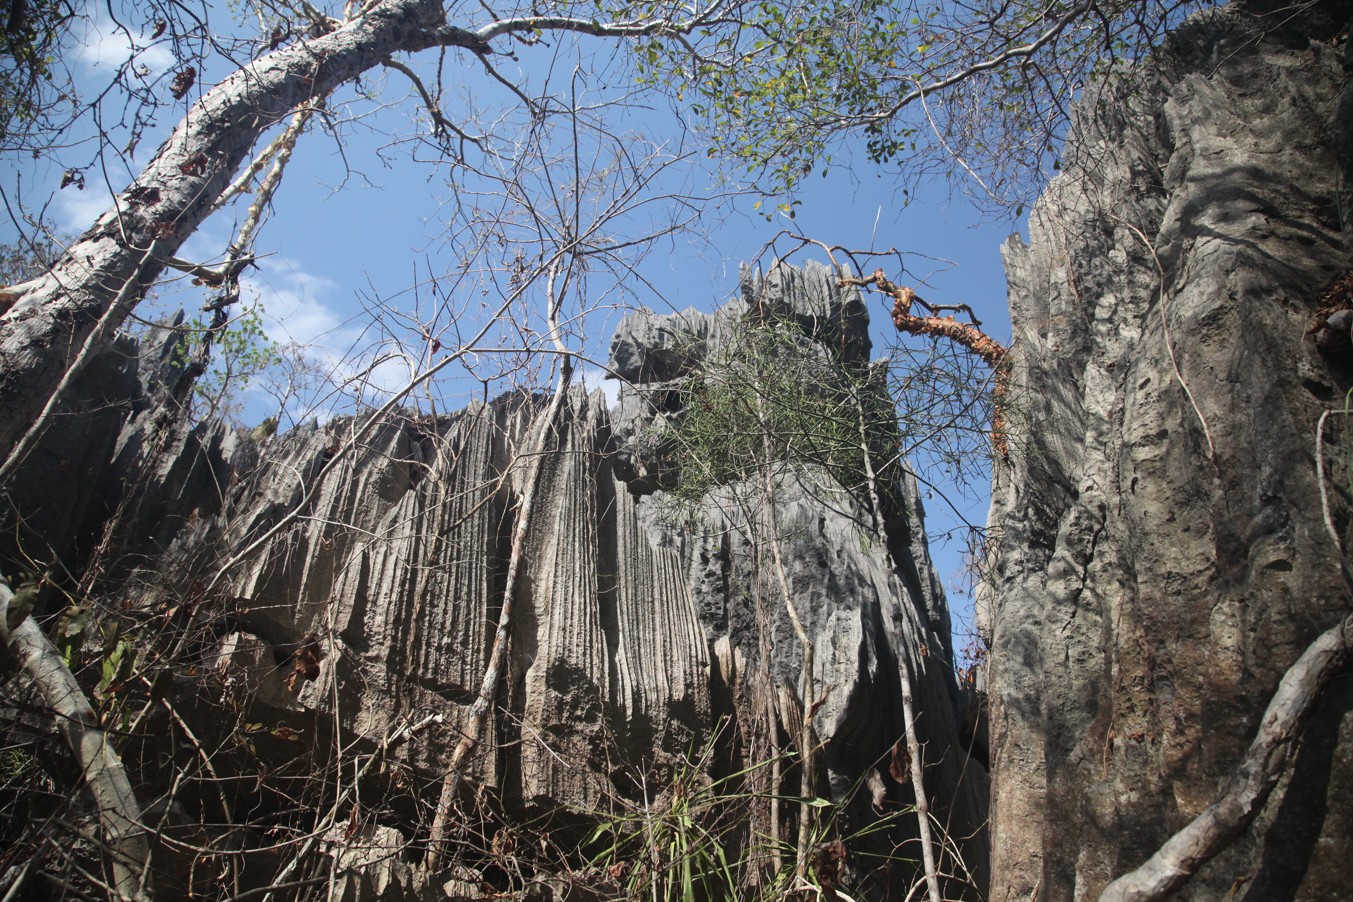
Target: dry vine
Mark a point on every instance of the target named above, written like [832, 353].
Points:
[968, 335]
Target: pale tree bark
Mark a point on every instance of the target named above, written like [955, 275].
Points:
[807, 753]
[1253, 779]
[47, 326]
[119, 812]
[904, 672]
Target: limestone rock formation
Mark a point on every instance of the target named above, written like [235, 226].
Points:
[117, 472]
[646, 645]
[635, 640]
[1160, 551]
[867, 619]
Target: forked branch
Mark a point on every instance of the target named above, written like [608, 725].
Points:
[969, 335]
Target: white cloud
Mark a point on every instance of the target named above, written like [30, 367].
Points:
[375, 377]
[106, 44]
[594, 379]
[299, 316]
[294, 305]
[363, 360]
[76, 210]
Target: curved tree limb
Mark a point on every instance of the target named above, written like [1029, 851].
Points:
[1253, 780]
[969, 335]
[41, 328]
[102, 769]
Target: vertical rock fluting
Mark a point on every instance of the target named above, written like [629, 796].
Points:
[1160, 554]
[640, 641]
[398, 569]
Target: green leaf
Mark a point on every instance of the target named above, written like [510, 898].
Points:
[72, 621]
[21, 605]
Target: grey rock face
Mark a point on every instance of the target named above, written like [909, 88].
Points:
[869, 600]
[637, 639]
[397, 569]
[1161, 555]
[655, 348]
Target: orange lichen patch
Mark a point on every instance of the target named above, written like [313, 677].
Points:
[999, 439]
[969, 335]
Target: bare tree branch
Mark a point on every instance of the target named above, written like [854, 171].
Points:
[102, 769]
[993, 62]
[1253, 779]
[493, 670]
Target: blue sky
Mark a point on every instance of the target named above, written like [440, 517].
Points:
[359, 243]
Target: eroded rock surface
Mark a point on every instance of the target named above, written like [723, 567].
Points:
[1162, 556]
[642, 644]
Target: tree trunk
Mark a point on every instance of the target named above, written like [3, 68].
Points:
[50, 322]
[903, 668]
[119, 812]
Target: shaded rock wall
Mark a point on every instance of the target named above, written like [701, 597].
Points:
[116, 474]
[1160, 555]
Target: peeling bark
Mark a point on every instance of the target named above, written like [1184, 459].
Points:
[48, 324]
[968, 335]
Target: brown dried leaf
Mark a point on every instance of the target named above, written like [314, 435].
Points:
[899, 767]
[828, 859]
[183, 82]
[305, 661]
[353, 825]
